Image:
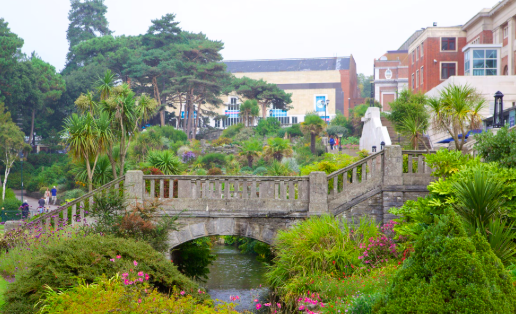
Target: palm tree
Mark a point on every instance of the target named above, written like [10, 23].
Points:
[249, 110]
[313, 125]
[456, 111]
[85, 103]
[105, 84]
[414, 128]
[251, 149]
[278, 148]
[165, 161]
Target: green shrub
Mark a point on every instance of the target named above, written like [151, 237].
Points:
[73, 194]
[45, 159]
[260, 171]
[215, 172]
[500, 147]
[294, 130]
[60, 266]
[221, 141]
[11, 204]
[350, 140]
[281, 133]
[446, 162]
[232, 130]
[268, 126]
[246, 169]
[107, 294]
[244, 135]
[450, 272]
[214, 160]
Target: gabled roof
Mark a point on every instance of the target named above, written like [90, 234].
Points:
[279, 65]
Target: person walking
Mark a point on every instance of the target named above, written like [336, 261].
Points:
[54, 195]
[47, 197]
[25, 210]
[332, 142]
[41, 207]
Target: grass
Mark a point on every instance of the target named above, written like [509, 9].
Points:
[3, 287]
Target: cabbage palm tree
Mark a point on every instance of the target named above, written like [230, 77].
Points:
[249, 110]
[413, 128]
[165, 161]
[457, 111]
[251, 149]
[278, 148]
[313, 125]
[105, 84]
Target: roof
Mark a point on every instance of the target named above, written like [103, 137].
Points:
[410, 40]
[312, 64]
[395, 55]
[487, 12]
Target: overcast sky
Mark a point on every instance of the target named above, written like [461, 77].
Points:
[265, 29]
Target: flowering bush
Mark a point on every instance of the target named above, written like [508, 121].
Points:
[188, 156]
[87, 257]
[380, 249]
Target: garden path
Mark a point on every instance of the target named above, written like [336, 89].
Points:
[33, 203]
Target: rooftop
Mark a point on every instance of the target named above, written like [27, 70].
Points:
[279, 65]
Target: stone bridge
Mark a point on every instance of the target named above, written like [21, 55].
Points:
[258, 207]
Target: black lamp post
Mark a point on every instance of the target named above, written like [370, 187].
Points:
[374, 149]
[382, 145]
[21, 161]
[498, 110]
[340, 140]
[371, 100]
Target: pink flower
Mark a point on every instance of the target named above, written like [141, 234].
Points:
[135, 263]
[126, 282]
[267, 304]
[118, 256]
[278, 305]
[140, 279]
[147, 276]
[112, 259]
[255, 300]
[140, 273]
[124, 275]
[258, 306]
[302, 307]
[182, 293]
[139, 300]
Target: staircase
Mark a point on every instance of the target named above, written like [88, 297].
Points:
[403, 141]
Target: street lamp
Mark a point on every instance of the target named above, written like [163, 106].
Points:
[371, 100]
[340, 135]
[21, 160]
[327, 103]
[382, 145]
[374, 149]
[498, 110]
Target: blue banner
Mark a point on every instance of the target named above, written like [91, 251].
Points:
[320, 103]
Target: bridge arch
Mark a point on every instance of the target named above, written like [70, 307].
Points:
[261, 229]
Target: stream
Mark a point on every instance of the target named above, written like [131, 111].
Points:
[236, 274]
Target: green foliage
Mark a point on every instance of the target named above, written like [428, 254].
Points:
[330, 163]
[213, 160]
[316, 247]
[3, 287]
[194, 258]
[294, 130]
[107, 294]
[335, 130]
[500, 147]
[260, 171]
[215, 172]
[439, 276]
[250, 150]
[408, 104]
[221, 141]
[313, 126]
[232, 130]
[277, 148]
[244, 135]
[61, 264]
[268, 126]
[155, 138]
[165, 161]
[248, 111]
[351, 140]
[278, 169]
[447, 162]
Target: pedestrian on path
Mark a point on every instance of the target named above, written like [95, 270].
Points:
[332, 142]
[25, 210]
[47, 197]
[54, 195]
[41, 204]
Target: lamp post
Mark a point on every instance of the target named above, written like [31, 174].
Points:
[21, 161]
[340, 140]
[374, 149]
[326, 105]
[498, 110]
[371, 100]
[382, 145]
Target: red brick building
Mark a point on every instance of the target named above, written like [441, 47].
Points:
[390, 76]
[434, 56]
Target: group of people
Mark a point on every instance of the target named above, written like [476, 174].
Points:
[334, 142]
[43, 203]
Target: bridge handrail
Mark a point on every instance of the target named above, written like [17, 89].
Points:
[404, 152]
[355, 164]
[197, 177]
[64, 207]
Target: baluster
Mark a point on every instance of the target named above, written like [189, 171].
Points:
[56, 221]
[428, 169]
[253, 189]
[218, 189]
[245, 189]
[47, 224]
[420, 165]
[82, 216]
[171, 188]
[161, 189]
[74, 214]
[302, 189]
[354, 178]
[335, 185]
[283, 190]
[226, 189]
[65, 216]
[204, 187]
[237, 190]
[409, 164]
[291, 190]
[344, 180]
[369, 167]
[152, 188]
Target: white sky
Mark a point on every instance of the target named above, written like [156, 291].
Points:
[265, 29]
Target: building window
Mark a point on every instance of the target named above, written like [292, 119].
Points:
[417, 76]
[413, 54]
[232, 113]
[467, 70]
[506, 32]
[421, 77]
[448, 44]
[422, 46]
[484, 62]
[412, 80]
[447, 70]
[294, 120]
[417, 53]
[217, 123]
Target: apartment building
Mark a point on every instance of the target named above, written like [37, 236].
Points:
[390, 76]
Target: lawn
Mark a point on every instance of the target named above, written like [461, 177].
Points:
[3, 287]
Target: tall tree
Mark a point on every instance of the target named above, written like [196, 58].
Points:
[248, 111]
[312, 125]
[87, 20]
[265, 93]
[10, 45]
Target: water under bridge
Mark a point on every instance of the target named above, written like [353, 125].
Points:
[259, 206]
